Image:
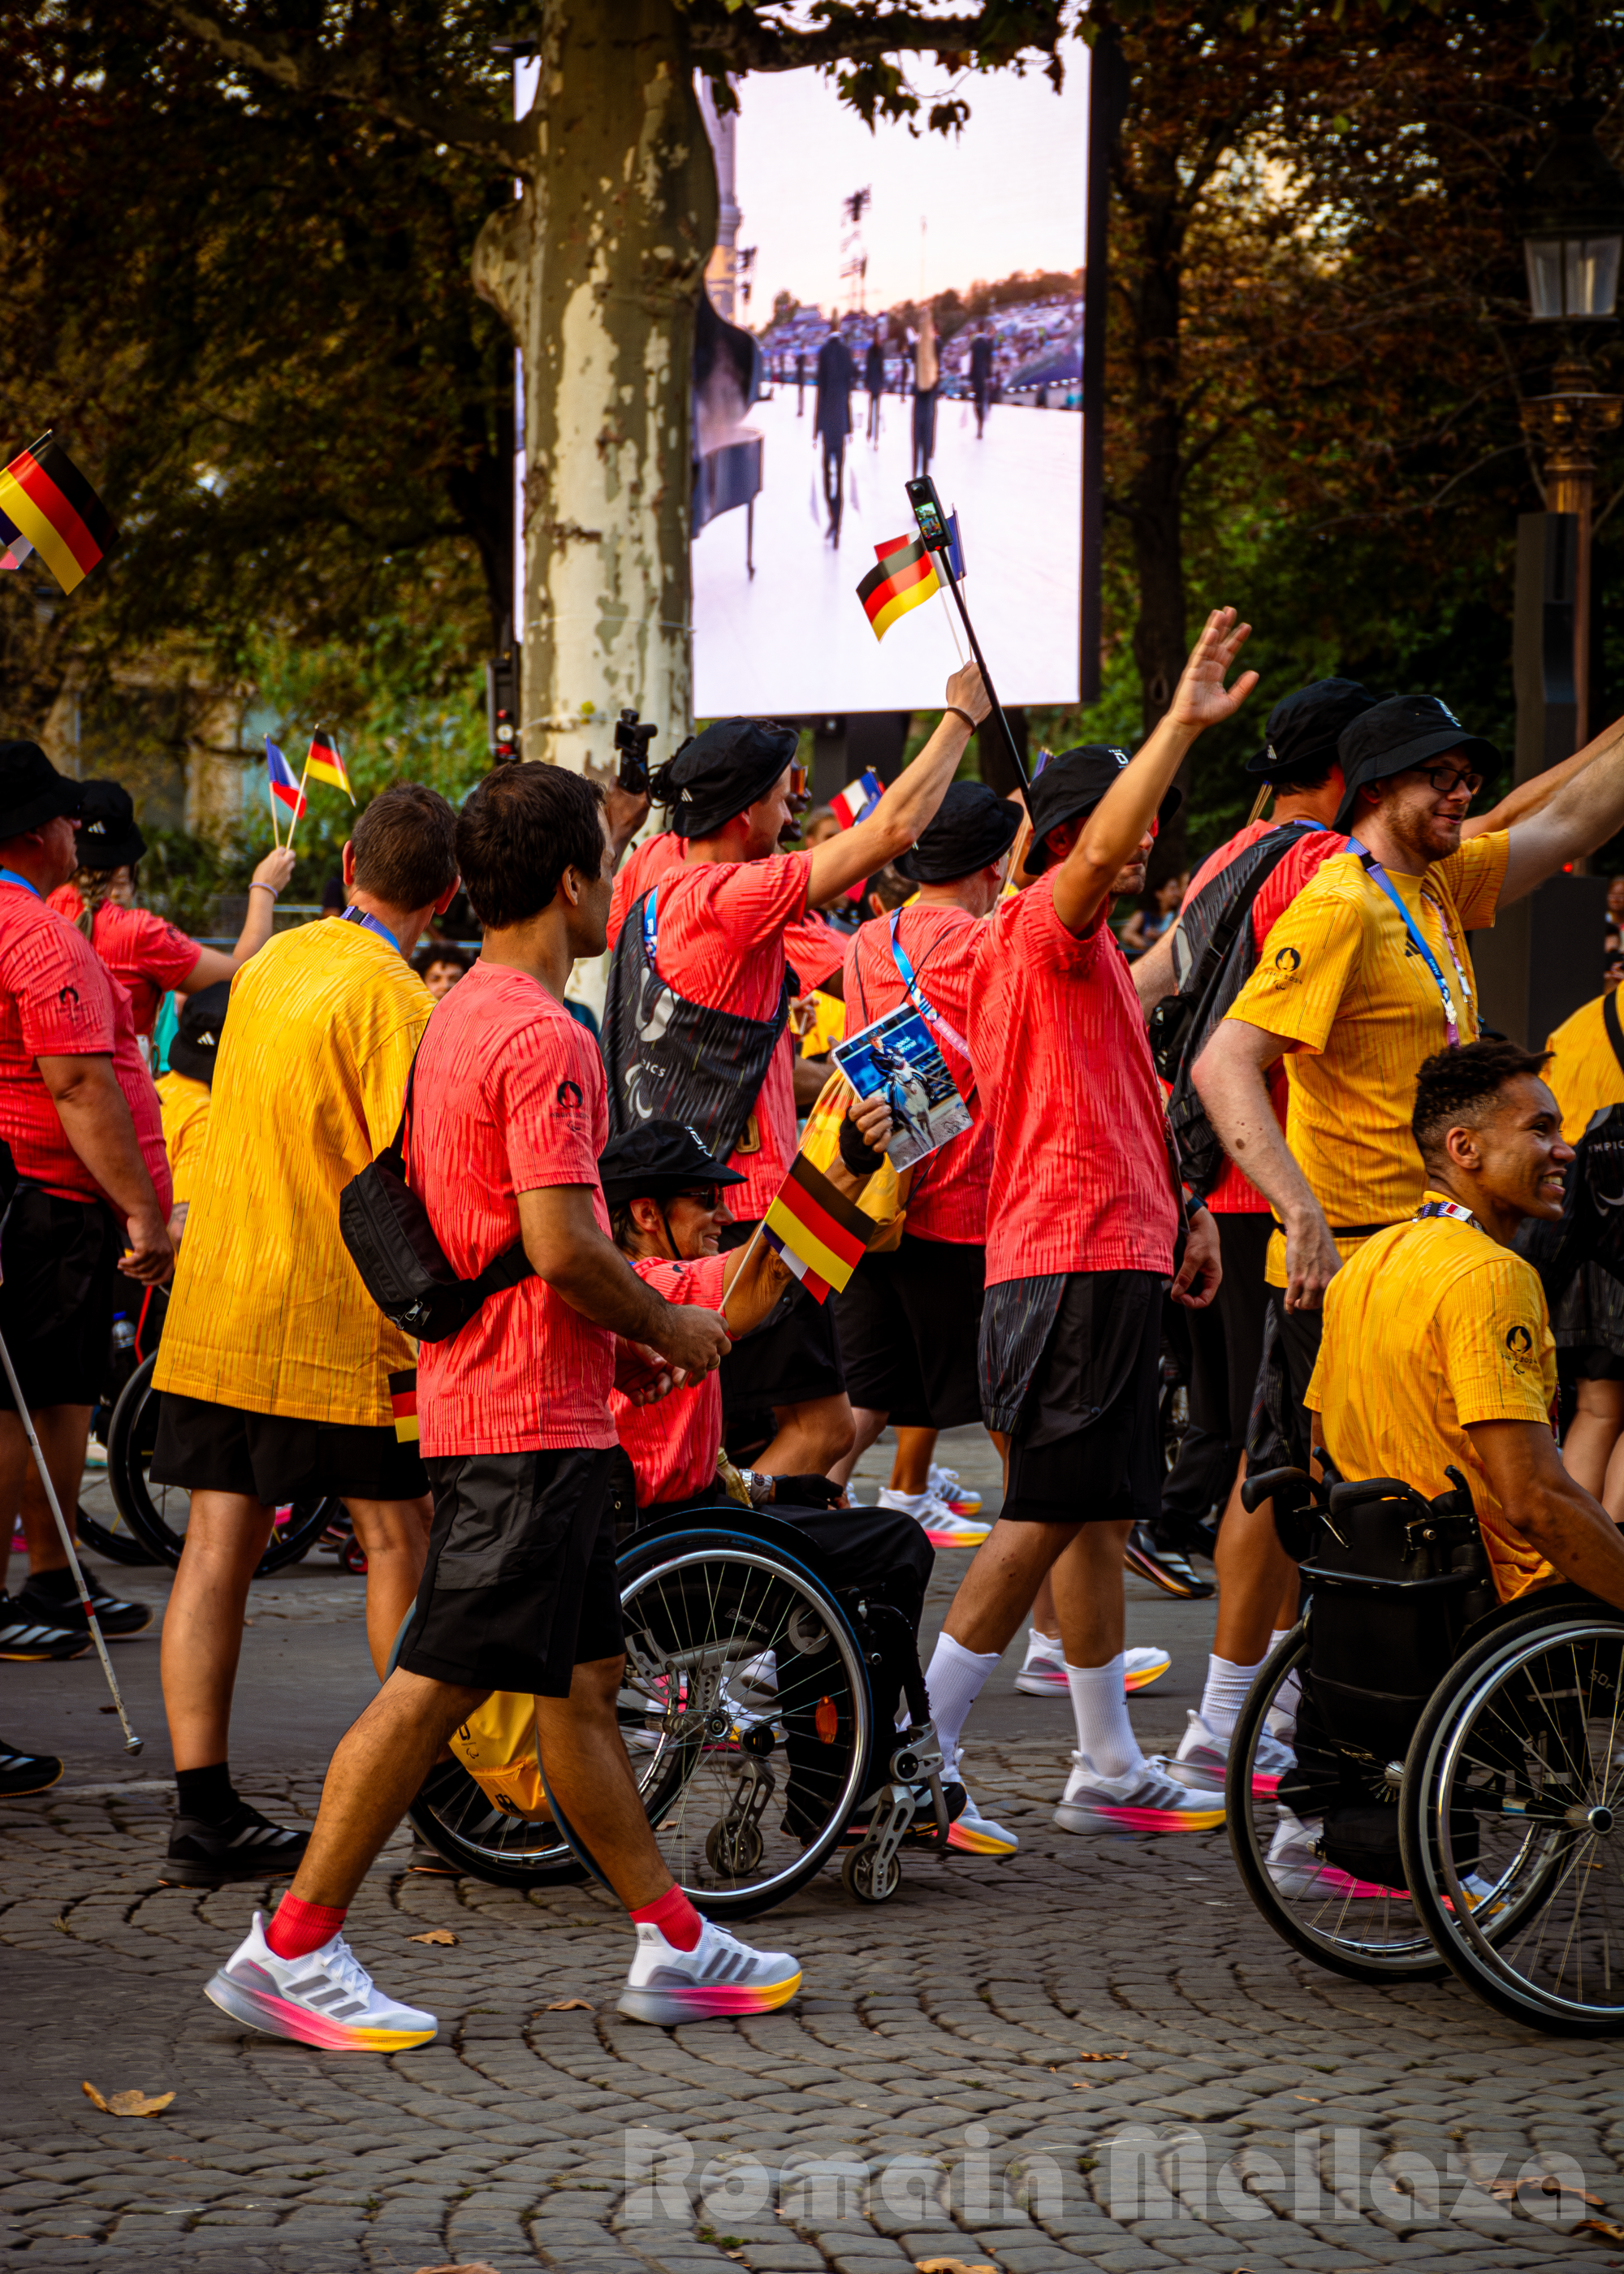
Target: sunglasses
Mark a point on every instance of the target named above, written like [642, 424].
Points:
[1445, 780]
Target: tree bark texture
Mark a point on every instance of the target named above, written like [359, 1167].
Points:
[596, 267]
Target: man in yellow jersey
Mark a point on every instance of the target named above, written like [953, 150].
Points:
[1587, 1075]
[184, 1092]
[1366, 974]
[275, 1364]
[1436, 1349]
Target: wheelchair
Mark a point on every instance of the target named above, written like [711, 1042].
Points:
[756, 1711]
[1425, 1780]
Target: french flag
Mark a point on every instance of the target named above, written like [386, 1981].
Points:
[857, 801]
[284, 782]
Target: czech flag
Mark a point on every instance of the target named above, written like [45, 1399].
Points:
[905, 579]
[324, 763]
[47, 506]
[821, 1235]
[858, 800]
[284, 782]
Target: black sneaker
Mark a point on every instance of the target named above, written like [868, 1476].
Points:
[21, 1773]
[249, 1846]
[25, 1635]
[117, 1620]
[1162, 1566]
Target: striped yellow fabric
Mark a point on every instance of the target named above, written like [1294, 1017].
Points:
[268, 1313]
[186, 1119]
[1341, 981]
[1584, 1070]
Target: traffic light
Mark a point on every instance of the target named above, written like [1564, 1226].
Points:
[501, 697]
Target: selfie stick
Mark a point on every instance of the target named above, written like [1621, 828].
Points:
[942, 561]
[132, 1743]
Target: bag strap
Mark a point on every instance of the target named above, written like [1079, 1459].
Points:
[502, 1271]
[1610, 1020]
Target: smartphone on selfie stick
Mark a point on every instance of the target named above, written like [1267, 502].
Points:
[936, 537]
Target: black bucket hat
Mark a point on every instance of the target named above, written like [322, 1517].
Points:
[107, 836]
[1391, 737]
[974, 827]
[656, 1160]
[1072, 785]
[1301, 736]
[31, 789]
[197, 1034]
[717, 774]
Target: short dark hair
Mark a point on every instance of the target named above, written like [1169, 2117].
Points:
[438, 950]
[404, 846]
[1302, 778]
[890, 889]
[517, 833]
[1456, 1089]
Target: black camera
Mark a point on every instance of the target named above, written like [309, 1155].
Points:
[632, 740]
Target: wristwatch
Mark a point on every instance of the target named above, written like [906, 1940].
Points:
[758, 1487]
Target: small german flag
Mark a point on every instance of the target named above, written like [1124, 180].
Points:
[325, 764]
[821, 1235]
[48, 507]
[904, 579]
[403, 1403]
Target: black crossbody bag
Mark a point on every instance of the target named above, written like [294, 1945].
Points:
[386, 1227]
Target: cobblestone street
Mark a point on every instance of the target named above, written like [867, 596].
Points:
[1095, 2053]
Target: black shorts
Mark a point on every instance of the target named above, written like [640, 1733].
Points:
[520, 1587]
[909, 1320]
[1590, 1362]
[275, 1459]
[791, 1359]
[1279, 1432]
[1087, 1449]
[60, 1261]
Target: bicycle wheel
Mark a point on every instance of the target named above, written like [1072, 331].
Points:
[1367, 1932]
[157, 1514]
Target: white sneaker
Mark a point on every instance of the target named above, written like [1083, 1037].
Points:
[1203, 1758]
[718, 1976]
[941, 1528]
[963, 1500]
[1043, 1674]
[975, 1834]
[1146, 1663]
[757, 1681]
[1297, 1864]
[1147, 1799]
[325, 1998]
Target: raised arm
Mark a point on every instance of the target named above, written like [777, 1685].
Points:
[1582, 814]
[213, 964]
[909, 805]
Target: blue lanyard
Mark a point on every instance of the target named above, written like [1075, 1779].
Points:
[11, 876]
[927, 1011]
[1374, 870]
[648, 928]
[371, 923]
[1451, 1208]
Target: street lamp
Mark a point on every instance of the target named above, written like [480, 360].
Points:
[1572, 239]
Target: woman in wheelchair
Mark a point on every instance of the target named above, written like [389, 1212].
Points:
[1442, 1699]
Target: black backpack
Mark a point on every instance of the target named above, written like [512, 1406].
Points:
[1213, 956]
[1591, 1226]
[403, 1266]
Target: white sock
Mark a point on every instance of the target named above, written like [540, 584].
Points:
[1227, 1685]
[1104, 1733]
[953, 1682]
[1277, 1635]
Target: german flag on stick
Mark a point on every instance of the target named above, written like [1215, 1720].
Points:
[905, 579]
[47, 505]
[403, 1403]
[821, 1235]
[324, 763]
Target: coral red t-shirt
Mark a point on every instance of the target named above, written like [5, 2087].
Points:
[720, 928]
[149, 955]
[813, 948]
[673, 1446]
[1235, 1194]
[640, 869]
[57, 1000]
[1080, 1179]
[510, 1096]
[948, 1198]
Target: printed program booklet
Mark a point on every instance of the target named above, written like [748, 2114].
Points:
[898, 1059]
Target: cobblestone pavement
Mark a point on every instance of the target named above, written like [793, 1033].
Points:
[1095, 2053]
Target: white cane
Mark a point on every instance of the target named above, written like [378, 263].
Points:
[132, 1743]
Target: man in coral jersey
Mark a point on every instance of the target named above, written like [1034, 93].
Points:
[707, 957]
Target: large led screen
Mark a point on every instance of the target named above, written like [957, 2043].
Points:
[935, 282]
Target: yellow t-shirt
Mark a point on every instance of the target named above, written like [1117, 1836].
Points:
[1339, 978]
[1431, 1327]
[1584, 1070]
[185, 1119]
[828, 1028]
[268, 1312]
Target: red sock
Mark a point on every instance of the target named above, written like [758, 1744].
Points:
[676, 1918]
[299, 1928]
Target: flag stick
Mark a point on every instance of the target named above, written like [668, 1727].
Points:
[270, 793]
[299, 807]
[132, 1743]
[951, 625]
[1016, 760]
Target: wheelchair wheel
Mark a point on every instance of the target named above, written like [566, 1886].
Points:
[461, 1823]
[1513, 1823]
[1367, 1932]
[745, 1710]
[156, 1514]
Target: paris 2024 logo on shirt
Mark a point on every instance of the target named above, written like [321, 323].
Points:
[1287, 967]
[1519, 1345]
[571, 1097]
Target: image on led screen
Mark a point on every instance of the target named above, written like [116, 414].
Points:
[936, 284]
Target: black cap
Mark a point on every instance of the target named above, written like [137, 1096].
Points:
[107, 836]
[1405, 731]
[974, 827]
[656, 1159]
[196, 1043]
[31, 789]
[1302, 728]
[717, 774]
[1071, 786]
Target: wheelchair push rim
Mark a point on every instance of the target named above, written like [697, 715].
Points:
[462, 1823]
[1516, 1824]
